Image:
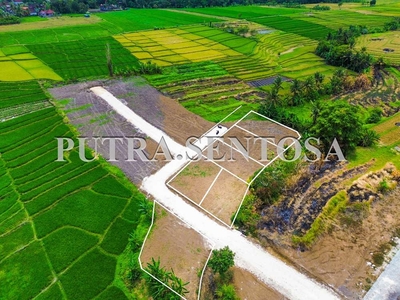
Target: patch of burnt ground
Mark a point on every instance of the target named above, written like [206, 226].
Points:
[304, 200]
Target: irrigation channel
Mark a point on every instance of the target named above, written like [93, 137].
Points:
[250, 256]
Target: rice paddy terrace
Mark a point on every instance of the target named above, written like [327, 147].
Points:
[64, 226]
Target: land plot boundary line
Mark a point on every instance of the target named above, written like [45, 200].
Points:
[189, 199]
[228, 171]
[211, 186]
[237, 150]
[257, 136]
[211, 244]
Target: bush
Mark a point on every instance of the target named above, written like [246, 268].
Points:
[384, 186]
[321, 7]
[221, 260]
[226, 292]
[368, 138]
[375, 116]
[378, 258]
[10, 20]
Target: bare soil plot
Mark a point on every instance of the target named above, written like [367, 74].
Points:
[266, 127]
[248, 287]
[225, 197]
[195, 179]
[179, 247]
[252, 145]
[232, 160]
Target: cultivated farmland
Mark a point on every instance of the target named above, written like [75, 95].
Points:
[17, 63]
[386, 45]
[173, 46]
[58, 219]
[85, 58]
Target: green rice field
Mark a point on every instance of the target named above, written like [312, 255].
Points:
[85, 58]
[61, 229]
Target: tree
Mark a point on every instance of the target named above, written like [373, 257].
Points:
[372, 2]
[109, 60]
[295, 89]
[338, 120]
[221, 260]
[340, 4]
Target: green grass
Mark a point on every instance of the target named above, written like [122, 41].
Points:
[103, 187]
[83, 209]
[18, 281]
[82, 59]
[237, 43]
[142, 19]
[16, 93]
[113, 293]
[115, 240]
[297, 26]
[184, 72]
[32, 19]
[381, 153]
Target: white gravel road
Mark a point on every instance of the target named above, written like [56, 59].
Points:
[272, 271]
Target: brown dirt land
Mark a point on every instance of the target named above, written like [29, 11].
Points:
[248, 287]
[179, 248]
[233, 161]
[195, 179]
[225, 196]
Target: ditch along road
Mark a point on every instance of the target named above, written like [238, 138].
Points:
[276, 274]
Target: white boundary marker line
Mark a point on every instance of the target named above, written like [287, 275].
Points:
[231, 173]
[189, 199]
[228, 171]
[252, 133]
[211, 186]
[237, 150]
[212, 246]
[257, 113]
[199, 138]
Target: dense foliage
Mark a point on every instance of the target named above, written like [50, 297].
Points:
[72, 6]
[340, 120]
[9, 20]
[221, 260]
[338, 49]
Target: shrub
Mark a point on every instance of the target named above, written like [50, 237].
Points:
[378, 258]
[375, 116]
[10, 20]
[384, 186]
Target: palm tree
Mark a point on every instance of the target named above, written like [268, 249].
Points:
[296, 89]
[319, 79]
[315, 111]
